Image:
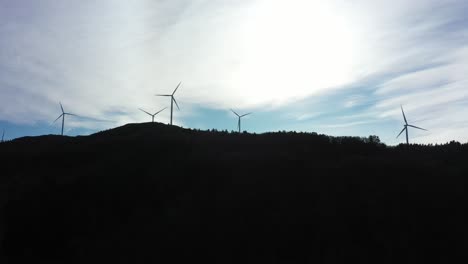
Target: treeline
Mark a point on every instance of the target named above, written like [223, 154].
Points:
[156, 193]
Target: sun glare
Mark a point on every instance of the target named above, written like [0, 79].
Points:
[297, 46]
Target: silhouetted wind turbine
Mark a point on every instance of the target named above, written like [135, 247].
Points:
[152, 115]
[239, 120]
[63, 117]
[3, 135]
[406, 125]
[173, 100]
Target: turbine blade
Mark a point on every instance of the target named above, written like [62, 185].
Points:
[63, 111]
[403, 112]
[235, 113]
[71, 114]
[163, 95]
[145, 111]
[160, 111]
[57, 118]
[418, 127]
[175, 102]
[401, 132]
[176, 88]
[245, 115]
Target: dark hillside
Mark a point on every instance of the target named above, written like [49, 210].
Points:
[151, 192]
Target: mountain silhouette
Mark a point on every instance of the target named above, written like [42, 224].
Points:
[150, 192]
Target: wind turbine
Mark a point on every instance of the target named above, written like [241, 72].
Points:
[63, 117]
[406, 125]
[173, 100]
[152, 115]
[3, 136]
[239, 120]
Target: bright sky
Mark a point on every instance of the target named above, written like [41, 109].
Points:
[333, 66]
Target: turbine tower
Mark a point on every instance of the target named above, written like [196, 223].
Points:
[173, 100]
[239, 120]
[406, 125]
[3, 136]
[63, 117]
[152, 115]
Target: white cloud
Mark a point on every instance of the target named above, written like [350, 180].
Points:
[109, 54]
[100, 57]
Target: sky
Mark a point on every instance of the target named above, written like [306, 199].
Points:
[335, 67]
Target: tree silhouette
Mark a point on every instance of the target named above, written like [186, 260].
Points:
[157, 193]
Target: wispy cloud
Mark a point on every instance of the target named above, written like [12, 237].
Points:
[316, 62]
[350, 124]
[418, 56]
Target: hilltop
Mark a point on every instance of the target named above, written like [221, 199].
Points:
[151, 192]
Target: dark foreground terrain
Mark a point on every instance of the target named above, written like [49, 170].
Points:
[151, 193]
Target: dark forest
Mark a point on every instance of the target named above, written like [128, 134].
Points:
[147, 193]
